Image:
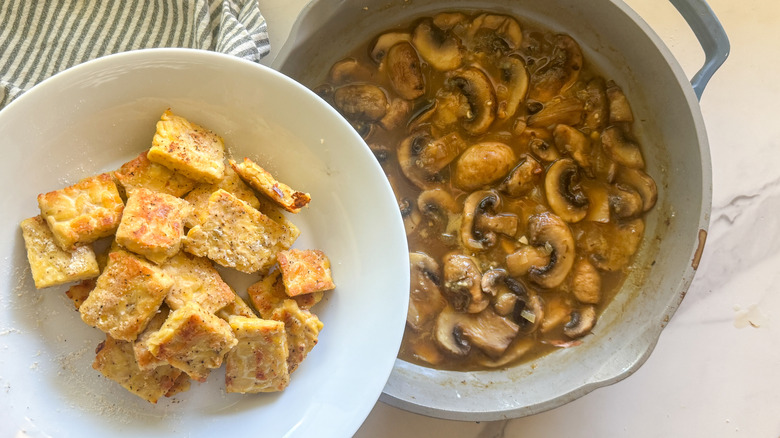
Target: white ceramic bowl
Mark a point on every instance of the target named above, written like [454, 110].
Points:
[96, 116]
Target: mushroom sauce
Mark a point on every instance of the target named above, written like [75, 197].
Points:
[517, 175]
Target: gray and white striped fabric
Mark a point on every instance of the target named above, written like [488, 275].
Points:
[39, 38]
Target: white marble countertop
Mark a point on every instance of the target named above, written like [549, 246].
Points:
[716, 369]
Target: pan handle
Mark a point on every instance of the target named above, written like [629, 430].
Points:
[711, 36]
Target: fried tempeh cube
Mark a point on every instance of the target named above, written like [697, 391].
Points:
[188, 148]
[142, 173]
[262, 181]
[238, 236]
[238, 307]
[127, 296]
[83, 212]
[153, 224]
[80, 291]
[305, 271]
[192, 340]
[302, 328]
[258, 363]
[51, 265]
[268, 294]
[196, 280]
[116, 361]
[145, 359]
[231, 183]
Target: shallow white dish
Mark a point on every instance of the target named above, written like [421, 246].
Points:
[96, 116]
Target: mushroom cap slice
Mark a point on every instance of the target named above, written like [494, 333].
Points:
[574, 142]
[441, 50]
[610, 246]
[512, 85]
[565, 110]
[463, 283]
[586, 282]
[404, 70]
[480, 222]
[483, 164]
[425, 299]
[448, 332]
[621, 149]
[643, 183]
[348, 70]
[549, 229]
[421, 157]
[619, 108]
[581, 322]
[385, 41]
[490, 332]
[523, 177]
[361, 102]
[564, 191]
[596, 105]
[474, 84]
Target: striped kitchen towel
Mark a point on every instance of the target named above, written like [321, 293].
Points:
[39, 38]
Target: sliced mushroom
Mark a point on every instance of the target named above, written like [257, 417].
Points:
[425, 299]
[441, 207]
[517, 349]
[495, 33]
[511, 87]
[540, 143]
[421, 157]
[397, 112]
[385, 42]
[361, 102]
[565, 110]
[586, 282]
[548, 229]
[475, 86]
[448, 332]
[642, 183]
[610, 246]
[619, 108]
[490, 332]
[581, 322]
[561, 71]
[530, 317]
[456, 332]
[599, 201]
[410, 215]
[521, 261]
[348, 70]
[624, 201]
[441, 50]
[483, 164]
[523, 177]
[596, 105]
[574, 142]
[492, 280]
[564, 191]
[463, 284]
[403, 68]
[621, 149]
[481, 221]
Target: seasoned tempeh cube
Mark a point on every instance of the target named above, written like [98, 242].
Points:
[302, 328]
[51, 265]
[142, 173]
[238, 236]
[231, 183]
[188, 148]
[268, 294]
[127, 296]
[144, 358]
[153, 224]
[116, 361]
[262, 181]
[258, 363]
[305, 271]
[192, 340]
[238, 307]
[196, 280]
[83, 212]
